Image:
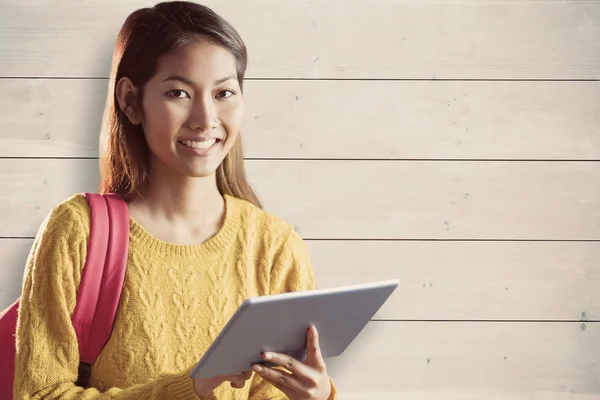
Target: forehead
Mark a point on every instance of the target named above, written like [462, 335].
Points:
[199, 61]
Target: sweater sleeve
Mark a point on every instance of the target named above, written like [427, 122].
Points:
[292, 271]
[47, 355]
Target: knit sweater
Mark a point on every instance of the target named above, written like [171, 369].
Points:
[174, 302]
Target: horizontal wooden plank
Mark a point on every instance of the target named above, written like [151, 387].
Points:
[460, 394]
[13, 253]
[470, 280]
[339, 119]
[397, 39]
[365, 199]
[438, 280]
[430, 360]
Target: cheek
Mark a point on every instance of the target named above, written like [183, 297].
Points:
[232, 117]
[162, 120]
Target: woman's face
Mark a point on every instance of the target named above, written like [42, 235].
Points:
[192, 110]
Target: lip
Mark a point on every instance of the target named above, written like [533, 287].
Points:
[197, 151]
[198, 139]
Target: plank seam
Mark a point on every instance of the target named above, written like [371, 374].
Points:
[479, 160]
[494, 321]
[329, 79]
[401, 240]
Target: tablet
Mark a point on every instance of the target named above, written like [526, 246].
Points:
[279, 323]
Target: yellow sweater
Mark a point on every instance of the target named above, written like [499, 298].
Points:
[175, 300]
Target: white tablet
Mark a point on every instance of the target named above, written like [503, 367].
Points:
[279, 323]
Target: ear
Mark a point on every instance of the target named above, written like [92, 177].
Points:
[129, 101]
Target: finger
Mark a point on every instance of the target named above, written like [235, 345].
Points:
[282, 380]
[296, 367]
[237, 380]
[247, 375]
[314, 357]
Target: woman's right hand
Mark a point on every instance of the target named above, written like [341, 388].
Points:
[205, 386]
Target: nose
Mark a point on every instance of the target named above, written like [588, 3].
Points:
[203, 116]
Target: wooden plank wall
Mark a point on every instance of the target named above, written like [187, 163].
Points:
[454, 145]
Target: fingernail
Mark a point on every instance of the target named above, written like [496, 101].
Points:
[267, 356]
[257, 368]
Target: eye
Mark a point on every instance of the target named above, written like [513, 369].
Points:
[179, 94]
[226, 93]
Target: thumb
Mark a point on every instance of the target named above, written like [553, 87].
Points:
[237, 380]
[313, 349]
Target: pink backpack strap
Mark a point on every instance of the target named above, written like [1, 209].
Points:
[102, 276]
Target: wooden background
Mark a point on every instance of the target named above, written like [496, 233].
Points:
[454, 145]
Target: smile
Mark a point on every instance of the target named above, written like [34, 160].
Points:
[205, 144]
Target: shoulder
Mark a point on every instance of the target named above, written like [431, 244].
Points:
[74, 210]
[281, 247]
[272, 229]
[69, 219]
[253, 216]
[60, 244]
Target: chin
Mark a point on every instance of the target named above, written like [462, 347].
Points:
[201, 172]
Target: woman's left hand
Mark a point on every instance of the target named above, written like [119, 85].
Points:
[305, 380]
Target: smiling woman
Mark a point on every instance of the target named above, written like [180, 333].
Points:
[189, 113]
[183, 81]
[199, 241]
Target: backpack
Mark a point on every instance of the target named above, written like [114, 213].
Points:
[98, 295]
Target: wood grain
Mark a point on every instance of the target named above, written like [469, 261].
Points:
[532, 281]
[360, 118]
[310, 119]
[331, 39]
[391, 359]
[365, 199]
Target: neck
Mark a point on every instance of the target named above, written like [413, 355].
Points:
[178, 198]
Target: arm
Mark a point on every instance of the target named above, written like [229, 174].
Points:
[292, 270]
[47, 356]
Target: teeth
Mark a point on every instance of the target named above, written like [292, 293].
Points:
[199, 145]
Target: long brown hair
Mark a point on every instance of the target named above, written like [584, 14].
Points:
[146, 35]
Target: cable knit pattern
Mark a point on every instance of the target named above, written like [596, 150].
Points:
[175, 301]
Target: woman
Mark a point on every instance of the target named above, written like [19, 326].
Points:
[199, 245]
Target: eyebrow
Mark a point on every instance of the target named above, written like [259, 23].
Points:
[191, 83]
